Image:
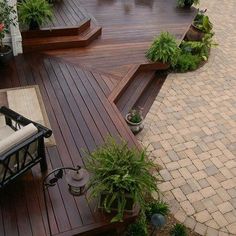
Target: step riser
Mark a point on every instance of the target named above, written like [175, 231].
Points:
[55, 32]
[62, 45]
[139, 89]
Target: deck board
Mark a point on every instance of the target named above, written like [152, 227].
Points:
[75, 85]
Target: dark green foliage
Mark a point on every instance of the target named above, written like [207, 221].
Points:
[164, 49]
[187, 62]
[117, 170]
[157, 207]
[183, 3]
[178, 230]
[39, 11]
[139, 228]
[203, 23]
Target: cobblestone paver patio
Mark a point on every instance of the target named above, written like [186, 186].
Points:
[191, 131]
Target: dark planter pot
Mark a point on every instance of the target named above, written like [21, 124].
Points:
[5, 55]
[188, 4]
[194, 34]
[129, 206]
[33, 25]
[134, 127]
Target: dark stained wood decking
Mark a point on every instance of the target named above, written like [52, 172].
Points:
[67, 13]
[81, 118]
[76, 85]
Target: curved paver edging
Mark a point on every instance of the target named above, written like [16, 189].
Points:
[191, 132]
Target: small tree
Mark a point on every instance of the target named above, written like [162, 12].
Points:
[7, 18]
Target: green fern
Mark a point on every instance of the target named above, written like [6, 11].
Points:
[39, 11]
[117, 170]
[164, 49]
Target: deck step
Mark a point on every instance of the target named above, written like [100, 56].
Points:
[134, 91]
[57, 31]
[151, 92]
[60, 42]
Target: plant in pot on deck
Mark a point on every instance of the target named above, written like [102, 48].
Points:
[34, 13]
[187, 3]
[164, 49]
[7, 18]
[200, 27]
[121, 177]
[134, 120]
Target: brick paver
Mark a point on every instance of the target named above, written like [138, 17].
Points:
[191, 129]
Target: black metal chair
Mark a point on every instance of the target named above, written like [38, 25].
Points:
[27, 148]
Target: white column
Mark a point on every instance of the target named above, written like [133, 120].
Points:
[16, 39]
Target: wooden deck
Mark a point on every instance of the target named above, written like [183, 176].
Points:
[76, 85]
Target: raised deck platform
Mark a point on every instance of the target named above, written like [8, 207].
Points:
[76, 89]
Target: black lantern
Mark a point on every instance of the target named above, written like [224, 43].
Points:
[76, 178]
[77, 181]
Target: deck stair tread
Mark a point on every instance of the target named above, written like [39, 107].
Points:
[134, 91]
[83, 38]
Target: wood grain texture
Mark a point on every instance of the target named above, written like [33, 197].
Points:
[76, 85]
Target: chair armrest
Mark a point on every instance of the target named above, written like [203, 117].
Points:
[12, 115]
[22, 145]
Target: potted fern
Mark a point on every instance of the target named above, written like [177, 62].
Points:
[120, 177]
[134, 120]
[164, 49]
[7, 18]
[187, 3]
[34, 13]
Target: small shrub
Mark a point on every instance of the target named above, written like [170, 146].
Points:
[187, 62]
[157, 207]
[178, 230]
[183, 3]
[139, 228]
[203, 23]
[164, 49]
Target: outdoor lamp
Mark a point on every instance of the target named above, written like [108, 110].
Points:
[158, 221]
[76, 178]
[77, 181]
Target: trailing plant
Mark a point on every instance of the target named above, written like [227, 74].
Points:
[179, 230]
[34, 13]
[117, 170]
[203, 23]
[187, 62]
[138, 228]
[183, 3]
[135, 115]
[164, 49]
[157, 207]
[7, 18]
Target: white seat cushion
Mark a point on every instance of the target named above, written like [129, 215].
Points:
[5, 131]
[17, 137]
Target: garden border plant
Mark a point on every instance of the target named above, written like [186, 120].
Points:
[188, 56]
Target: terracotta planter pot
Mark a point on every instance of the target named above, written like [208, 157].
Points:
[129, 206]
[134, 127]
[5, 55]
[194, 34]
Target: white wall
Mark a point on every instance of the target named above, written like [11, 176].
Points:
[14, 39]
